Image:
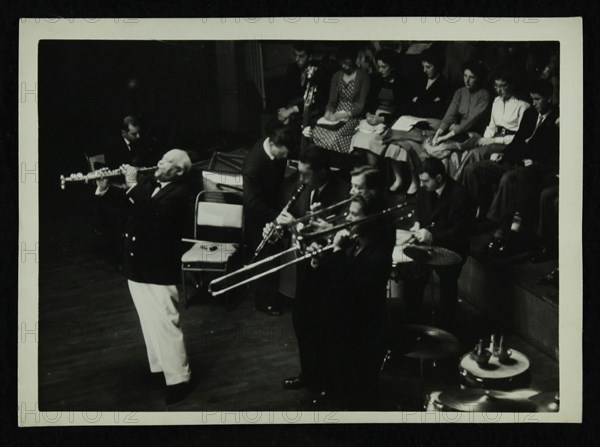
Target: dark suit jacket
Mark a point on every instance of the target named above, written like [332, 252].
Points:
[452, 215]
[543, 146]
[309, 281]
[432, 102]
[353, 308]
[334, 191]
[295, 91]
[153, 231]
[263, 179]
[117, 153]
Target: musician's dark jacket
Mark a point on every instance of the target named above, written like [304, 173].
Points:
[452, 215]
[335, 191]
[542, 148]
[153, 231]
[263, 179]
[309, 280]
[117, 153]
[354, 306]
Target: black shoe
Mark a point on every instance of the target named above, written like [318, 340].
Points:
[293, 383]
[177, 393]
[157, 378]
[270, 310]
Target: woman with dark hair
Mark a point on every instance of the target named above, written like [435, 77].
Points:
[388, 99]
[465, 114]
[424, 114]
[347, 99]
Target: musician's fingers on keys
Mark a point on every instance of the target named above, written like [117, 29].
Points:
[315, 206]
[285, 218]
[267, 229]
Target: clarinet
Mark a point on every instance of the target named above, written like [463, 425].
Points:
[274, 226]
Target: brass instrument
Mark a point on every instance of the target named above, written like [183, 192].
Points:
[320, 212]
[97, 175]
[275, 228]
[266, 266]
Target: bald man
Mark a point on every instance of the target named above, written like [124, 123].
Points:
[151, 262]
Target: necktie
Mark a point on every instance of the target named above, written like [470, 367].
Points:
[316, 195]
[537, 125]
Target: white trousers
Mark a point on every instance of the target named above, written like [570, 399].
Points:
[157, 310]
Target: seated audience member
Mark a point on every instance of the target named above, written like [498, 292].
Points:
[291, 114]
[388, 99]
[527, 165]
[507, 113]
[463, 119]
[347, 100]
[427, 108]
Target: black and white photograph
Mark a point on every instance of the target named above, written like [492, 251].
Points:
[354, 220]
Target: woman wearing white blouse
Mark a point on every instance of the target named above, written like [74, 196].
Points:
[507, 112]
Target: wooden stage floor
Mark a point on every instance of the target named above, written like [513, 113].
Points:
[92, 354]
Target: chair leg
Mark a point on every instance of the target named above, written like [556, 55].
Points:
[184, 301]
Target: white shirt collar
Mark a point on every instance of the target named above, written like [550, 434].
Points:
[267, 148]
[127, 143]
[440, 190]
[431, 81]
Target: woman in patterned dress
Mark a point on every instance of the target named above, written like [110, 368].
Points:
[347, 98]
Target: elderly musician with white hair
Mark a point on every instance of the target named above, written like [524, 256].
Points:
[151, 261]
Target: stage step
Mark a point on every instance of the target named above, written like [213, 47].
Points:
[508, 293]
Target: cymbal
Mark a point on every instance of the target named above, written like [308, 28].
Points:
[546, 402]
[431, 255]
[427, 342]
[478, 400]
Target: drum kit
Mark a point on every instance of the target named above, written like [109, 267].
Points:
[495, 385]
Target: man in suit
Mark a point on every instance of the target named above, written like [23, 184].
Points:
[263, 173]
[352, 312]
[151, 261]
[322, 189]
[527, 165]
[443, 217]
[129, 148]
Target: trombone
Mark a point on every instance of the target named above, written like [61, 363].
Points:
[265, 267]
